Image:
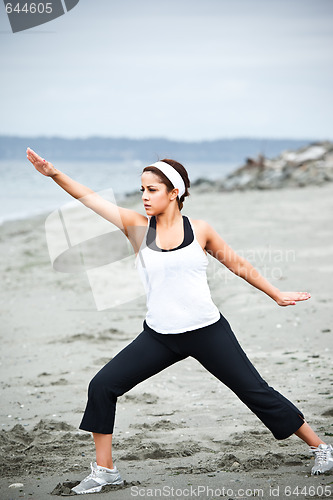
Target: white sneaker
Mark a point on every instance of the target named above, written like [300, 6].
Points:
[323, 458]
[99, 477]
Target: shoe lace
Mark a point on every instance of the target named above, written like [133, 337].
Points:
[322, 454]
[92, 474]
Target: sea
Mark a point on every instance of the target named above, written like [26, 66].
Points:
[24, 192]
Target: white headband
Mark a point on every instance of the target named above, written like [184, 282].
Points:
[171, 173]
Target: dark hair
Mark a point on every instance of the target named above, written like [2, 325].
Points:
[182, 172]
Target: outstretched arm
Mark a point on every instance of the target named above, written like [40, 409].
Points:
[121, 217]
[219, 249]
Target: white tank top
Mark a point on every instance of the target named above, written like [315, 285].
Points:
[175, 281]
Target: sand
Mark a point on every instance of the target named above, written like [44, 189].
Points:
[181, 430]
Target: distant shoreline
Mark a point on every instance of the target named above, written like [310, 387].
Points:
[146, 150]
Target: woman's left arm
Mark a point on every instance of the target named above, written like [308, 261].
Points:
[219, 249]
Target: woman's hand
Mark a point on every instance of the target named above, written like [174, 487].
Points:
[43, 166]
[290, 298]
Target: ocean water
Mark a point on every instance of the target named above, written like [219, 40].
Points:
[25, 192]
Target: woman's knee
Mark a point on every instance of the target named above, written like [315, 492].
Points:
[99, 386]
[106, 383]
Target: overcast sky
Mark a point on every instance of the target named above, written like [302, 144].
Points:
[180, 69]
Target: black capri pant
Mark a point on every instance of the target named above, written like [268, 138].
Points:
[216, 348]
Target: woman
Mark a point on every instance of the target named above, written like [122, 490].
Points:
[181, 320]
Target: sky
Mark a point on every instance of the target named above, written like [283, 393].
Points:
[178, 69]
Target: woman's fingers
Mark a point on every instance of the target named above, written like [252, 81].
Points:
[302, 296]
[32, 156]
[31, 152]
[39, 163]
[290, 298]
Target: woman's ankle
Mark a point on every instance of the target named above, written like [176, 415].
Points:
[107, 464]
[309, 436]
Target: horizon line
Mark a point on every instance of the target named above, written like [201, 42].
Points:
[159, 138]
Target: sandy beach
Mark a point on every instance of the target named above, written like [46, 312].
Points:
[181, 430]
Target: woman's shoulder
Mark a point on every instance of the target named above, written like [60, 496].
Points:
[199, 224]
[201, 228]
[205, 233]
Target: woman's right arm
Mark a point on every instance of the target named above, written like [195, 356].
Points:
[123, 218]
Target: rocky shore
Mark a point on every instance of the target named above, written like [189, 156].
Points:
[309, 165]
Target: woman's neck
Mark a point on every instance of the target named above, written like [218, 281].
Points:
[169, 218]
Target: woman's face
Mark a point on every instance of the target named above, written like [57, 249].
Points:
[154, 194]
